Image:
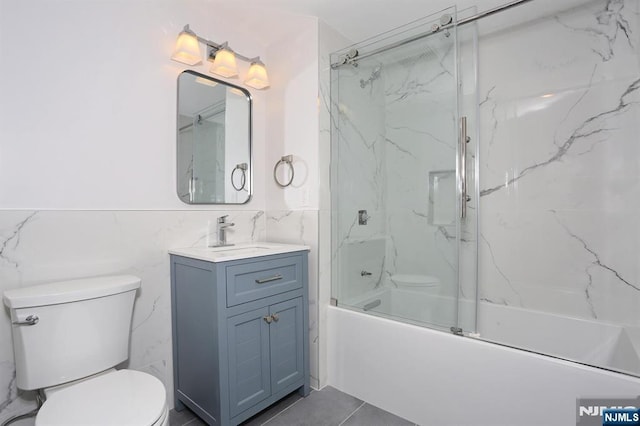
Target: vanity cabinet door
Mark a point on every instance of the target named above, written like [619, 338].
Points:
[287, 351]
[249, 357]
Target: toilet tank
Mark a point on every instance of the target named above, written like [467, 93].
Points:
[83, 328]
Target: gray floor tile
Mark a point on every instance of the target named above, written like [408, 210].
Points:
[368, 415]
[273, 410]
[180, 418]
[195, 422]
[325, 407]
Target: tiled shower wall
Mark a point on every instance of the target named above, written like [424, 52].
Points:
[559, 175]
[395, 128]
[559, 162]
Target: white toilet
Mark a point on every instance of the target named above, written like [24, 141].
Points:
[67, 337]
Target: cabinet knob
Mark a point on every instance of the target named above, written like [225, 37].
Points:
[275, 317]
[268, 319]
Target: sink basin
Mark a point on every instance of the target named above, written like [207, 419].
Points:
[236, 252]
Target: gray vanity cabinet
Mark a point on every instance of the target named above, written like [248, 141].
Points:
[253, 342]
[240, 339]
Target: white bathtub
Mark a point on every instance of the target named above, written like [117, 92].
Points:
[589, 342]
[436, 378]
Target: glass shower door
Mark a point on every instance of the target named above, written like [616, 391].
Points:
[396, 181]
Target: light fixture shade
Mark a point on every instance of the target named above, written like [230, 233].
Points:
[187, 49]
[225, 64]
[257, 76]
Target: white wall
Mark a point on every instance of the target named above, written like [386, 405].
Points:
[292, 129]
[87, 150]
[87, 118]
[292, 120]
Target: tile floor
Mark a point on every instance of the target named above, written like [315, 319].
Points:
[326, 407]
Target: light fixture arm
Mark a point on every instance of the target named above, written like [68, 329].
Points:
[213, 47]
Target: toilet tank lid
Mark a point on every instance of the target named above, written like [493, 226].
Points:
[69, 291]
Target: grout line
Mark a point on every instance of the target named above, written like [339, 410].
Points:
[349, 416]
[277, 414]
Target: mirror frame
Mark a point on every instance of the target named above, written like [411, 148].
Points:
[250, 129]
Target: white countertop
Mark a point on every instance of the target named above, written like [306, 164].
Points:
[237, 252]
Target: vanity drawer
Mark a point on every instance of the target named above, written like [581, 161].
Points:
[255, 280]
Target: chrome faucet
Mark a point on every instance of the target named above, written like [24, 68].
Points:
[222, 231]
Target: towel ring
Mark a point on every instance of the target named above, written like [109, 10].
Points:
[287, 159]
[243, 177]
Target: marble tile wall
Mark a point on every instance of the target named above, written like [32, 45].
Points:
[554, 122]
[421, 136]
[395, 124]
[42, 246]
[301, 227]
[358, 150]
[559, 170]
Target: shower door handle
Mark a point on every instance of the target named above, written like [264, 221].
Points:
[462, 152]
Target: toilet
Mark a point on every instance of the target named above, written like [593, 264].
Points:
[67, 338]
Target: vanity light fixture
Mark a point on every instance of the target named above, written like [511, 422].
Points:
[187, 48]
[223, 57]
[224, 62]
[257, 76]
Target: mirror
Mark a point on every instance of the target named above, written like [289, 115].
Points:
[213, 141]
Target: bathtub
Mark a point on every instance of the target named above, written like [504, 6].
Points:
[435, 378]
[618, 348]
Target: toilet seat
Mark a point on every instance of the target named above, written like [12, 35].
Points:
[123, 398]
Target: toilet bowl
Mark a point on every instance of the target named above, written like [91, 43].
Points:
[67, 337]
[118, 397]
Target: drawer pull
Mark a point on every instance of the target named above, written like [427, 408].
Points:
[268, 319]
[266, 280]
[275, 317]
